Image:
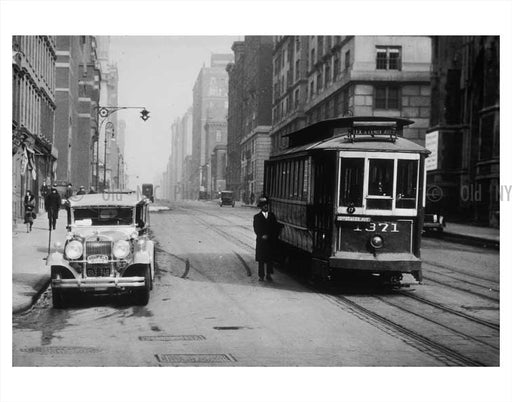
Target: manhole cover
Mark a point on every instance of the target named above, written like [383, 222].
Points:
[195, 358]
[60, 350]
[167, 338]
[227, 328]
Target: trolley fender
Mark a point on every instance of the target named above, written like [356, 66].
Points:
[57, 259]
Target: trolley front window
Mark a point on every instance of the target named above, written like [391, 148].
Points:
[380, 184]
[352, 181]
[406, 180]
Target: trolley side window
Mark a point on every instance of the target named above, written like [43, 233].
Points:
[407, 177]
[351, 181]
[380, 184]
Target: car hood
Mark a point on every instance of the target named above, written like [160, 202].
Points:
[113, 232]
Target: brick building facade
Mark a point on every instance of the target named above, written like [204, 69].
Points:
[33, 117]
[322, 77]
[249, 116]
[464, 128]
[77, 93]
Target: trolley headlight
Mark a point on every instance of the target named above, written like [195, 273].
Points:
[377, 241]
[121, 249]
[74, 249]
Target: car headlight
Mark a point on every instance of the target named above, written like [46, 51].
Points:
[121, 249]
[434, 218]
[74, 249]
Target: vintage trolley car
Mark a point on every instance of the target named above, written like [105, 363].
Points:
[349, 193]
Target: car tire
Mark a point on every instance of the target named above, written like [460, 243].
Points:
[142, 295]
[58, 299]
[152, 271]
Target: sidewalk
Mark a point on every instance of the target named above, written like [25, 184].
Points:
[475, 232]
[30, 277]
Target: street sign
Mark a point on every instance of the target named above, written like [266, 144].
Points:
[432, 144]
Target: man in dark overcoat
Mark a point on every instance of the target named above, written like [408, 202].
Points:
[266, 228]
[52, 206]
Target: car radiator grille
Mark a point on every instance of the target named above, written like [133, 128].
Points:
[98, 247]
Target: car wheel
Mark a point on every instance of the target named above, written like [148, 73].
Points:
[142, 295]
[152, 269]
[58, 300]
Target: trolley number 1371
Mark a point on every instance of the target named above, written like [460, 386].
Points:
[378, 227]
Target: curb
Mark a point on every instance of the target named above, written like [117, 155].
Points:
[26, 306]
[465, 239]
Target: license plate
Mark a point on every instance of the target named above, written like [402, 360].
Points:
[97, 259]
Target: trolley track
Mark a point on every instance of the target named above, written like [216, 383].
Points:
[435, 349]
[449, 328]
[451, 310]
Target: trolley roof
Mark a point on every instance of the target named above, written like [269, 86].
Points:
[105, 199]
[332, 134]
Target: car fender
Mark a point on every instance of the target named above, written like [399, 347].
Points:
[142, 257]
[57, 259]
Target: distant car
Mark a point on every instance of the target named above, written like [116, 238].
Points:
[107, 249]
[433, 222]
[226, 198]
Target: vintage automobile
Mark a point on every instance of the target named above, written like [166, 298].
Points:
[433, 222]
[107, 248]
[226, 198]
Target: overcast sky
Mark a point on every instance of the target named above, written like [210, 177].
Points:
[157, 72]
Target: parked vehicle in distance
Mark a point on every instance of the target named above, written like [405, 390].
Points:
[226, 198]
[107, 249]
[147, 190]
[433, 222]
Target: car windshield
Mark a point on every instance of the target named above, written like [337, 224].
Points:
[95, 216]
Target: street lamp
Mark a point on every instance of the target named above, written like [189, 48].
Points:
[109, 128]
[103, 112]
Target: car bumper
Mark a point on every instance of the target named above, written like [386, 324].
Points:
[100, 283]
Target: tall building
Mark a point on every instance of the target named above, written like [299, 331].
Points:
[249, 116]
[181, 148]
[77, 96]
[464, 134]
[111, 159]
[322, 77]
[210, 104]
[33, 117]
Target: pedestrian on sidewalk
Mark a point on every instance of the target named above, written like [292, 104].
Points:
[69, 192]
[52, 206]
[81, 191]
[29, 203]
[266, 228]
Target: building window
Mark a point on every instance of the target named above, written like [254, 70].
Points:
[347, 59]
[319, 82]
[327, 73]
[311, 89]
[387, 97]
[313, 61]
[336, 67]
[389, 58]
[297, 66]
[296, 98]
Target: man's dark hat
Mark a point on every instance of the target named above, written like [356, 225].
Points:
[262, 201]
